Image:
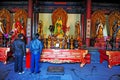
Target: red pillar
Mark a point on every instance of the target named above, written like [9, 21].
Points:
[88, 23]
[29, 21]
[30, 13]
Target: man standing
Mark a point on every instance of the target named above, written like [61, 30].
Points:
[36, 50]
[19, 51]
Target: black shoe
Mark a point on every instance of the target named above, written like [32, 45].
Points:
[31, 73]
[16, 71]
[37, 72]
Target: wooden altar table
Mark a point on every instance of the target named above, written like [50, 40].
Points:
[114, 58]
[4, 54]
[62, 56]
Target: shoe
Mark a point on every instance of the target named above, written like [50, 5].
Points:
[37, 72]
[21, 72]
[31, 73]
[16, 71]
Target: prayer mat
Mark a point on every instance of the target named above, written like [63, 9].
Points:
[55, 70]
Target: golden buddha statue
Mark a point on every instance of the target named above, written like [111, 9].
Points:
[77, 28]
[40, 27]
[58, 28]
[99, 32]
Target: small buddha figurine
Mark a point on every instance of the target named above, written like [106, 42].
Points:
[65, 42]
[68, 42]
[40, 27]
[72, 40]
[79, 41]
[45, 43]
[61, 43]
[49, 42]
[75, 43]
[54, 42]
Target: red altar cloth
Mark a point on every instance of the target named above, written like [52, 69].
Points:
[103, 55]
[3, 54]
[114, 58]
[62, 56]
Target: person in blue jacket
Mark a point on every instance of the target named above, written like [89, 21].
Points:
[35, 50]
[19, 50]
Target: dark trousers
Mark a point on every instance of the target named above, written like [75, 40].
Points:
[18, 65]
[35, 58]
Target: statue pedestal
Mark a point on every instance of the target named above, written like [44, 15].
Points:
[100, 43]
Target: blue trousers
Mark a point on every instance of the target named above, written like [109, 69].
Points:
[18, 65]
[35, 58]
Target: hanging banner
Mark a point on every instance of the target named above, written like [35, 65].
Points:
[28, 27]
[88, 28]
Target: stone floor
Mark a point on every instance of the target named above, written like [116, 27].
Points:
[93, 71]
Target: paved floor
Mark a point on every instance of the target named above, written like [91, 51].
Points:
[93, 71]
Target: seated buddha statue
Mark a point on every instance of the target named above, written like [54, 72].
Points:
[99, 32]
[58, 28]
[99, 38]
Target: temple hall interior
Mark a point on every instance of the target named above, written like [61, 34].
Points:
[81, 39]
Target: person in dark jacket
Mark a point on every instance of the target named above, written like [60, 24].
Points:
[19, 50]
[35, 50]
